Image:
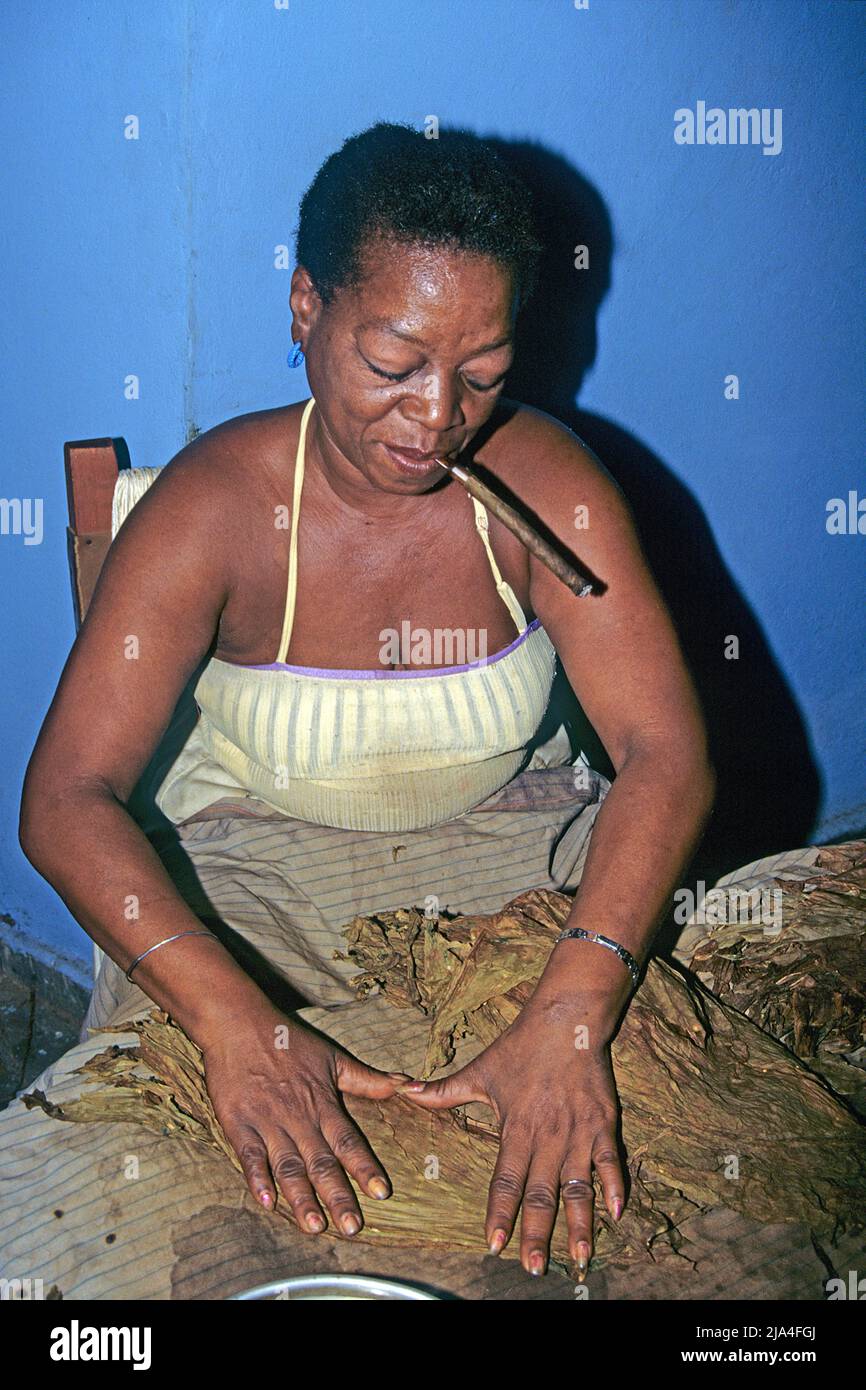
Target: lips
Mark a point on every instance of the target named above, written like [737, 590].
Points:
[410, 453]
[411, 461]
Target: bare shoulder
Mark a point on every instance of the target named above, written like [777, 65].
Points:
[213, 487]
[619, 647]
[542, 461]
[567, 487]
[237, 453]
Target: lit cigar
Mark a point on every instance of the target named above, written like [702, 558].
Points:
[572, 577]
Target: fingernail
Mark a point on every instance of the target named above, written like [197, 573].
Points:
[498, 1240]
[379, 1188]
[315, 1222]
[413, 1086]
[266, 1199]
[582, 1260]
[617, 1208]
[350, 1224]
[536, 1262]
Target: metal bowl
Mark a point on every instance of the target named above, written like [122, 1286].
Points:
[334, 1286]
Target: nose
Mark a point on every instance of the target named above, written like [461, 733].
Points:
[436, 406]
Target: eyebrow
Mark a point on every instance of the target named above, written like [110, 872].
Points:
[410, 337]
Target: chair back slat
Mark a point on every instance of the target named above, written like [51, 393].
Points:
[91, 467]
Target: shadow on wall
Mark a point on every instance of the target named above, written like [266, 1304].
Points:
[769, 785]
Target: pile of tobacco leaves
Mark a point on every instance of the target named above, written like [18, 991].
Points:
[717, 1107]
[804, 983]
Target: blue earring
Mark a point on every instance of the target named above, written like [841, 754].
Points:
[296, 356]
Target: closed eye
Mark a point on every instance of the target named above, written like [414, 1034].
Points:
[487, 386]
[389, 376]
[402, 376]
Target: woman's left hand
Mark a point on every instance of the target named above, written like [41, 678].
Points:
[556, 1106]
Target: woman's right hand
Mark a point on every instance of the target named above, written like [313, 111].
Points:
[275, 1089]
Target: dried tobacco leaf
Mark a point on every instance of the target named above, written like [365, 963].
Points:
[700, 1085]
[439, 1164]
[804, 984]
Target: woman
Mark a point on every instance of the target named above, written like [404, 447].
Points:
[414, 258]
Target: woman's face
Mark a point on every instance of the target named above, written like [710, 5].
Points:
[413, 358]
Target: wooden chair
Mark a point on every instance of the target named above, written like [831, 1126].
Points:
[91, 467]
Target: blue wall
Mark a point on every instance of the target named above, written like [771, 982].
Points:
[155, 256]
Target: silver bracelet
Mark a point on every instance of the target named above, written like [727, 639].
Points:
[625, 956]
[164, 942]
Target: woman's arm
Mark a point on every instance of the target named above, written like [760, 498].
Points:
[624, 661]
[153, 616]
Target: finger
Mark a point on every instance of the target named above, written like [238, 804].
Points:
[505, 1191]
[578, 1200]
[608, 1165]
[290, 1175]
[540, 1205]
[252, 1155]
[329, 1179]
[357, 1079]
[459, 1088]
[350, 1147]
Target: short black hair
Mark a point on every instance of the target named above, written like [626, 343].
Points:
[454, 192]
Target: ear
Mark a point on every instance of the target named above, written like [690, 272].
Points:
[305, 303]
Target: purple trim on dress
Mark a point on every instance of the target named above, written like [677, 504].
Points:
[393, 675]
